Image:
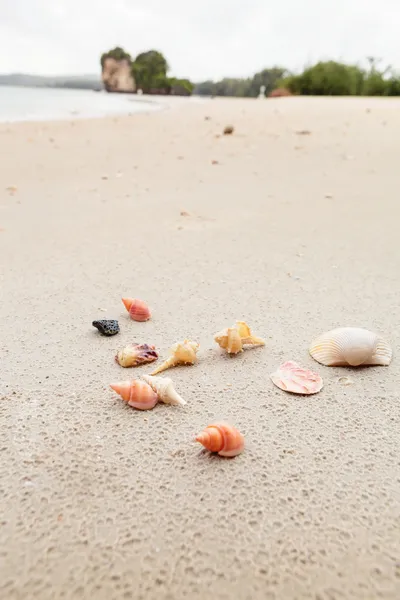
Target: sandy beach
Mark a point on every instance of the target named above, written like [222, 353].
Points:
[296, 233]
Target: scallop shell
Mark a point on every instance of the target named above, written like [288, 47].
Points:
[292, 378]
[222, 438]
[351, 346]
[182, 353]
[234, 338]
[164, 388]
[138, 310]
[136, 393]
[136, 354]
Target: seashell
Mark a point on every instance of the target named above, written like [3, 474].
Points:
[183, 353]
[234, 338]
[222, 438]
[165, 390]
[292, 378]
[350, 346]
[136, 354]
[136, 393]
[138, 310]
[107, 326]
[229, 129]
[230, 340]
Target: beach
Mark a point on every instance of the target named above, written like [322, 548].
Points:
[291, 224]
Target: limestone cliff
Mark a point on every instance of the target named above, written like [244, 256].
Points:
[117, 75]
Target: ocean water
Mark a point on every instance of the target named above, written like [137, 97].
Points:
[42, 104]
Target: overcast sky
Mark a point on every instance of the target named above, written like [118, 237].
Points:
[201, 39]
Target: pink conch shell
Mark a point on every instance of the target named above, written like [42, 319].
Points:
[136, 393]
[136, 354]
[234, 338]
[292, 378]
[182, 353]
[222, 438]
[138, 310]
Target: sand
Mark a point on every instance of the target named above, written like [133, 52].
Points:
[294, 233]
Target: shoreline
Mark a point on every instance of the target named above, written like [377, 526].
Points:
[289, 224]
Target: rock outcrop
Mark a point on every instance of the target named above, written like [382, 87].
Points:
[117, 75]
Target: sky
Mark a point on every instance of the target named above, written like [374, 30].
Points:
[201, 39]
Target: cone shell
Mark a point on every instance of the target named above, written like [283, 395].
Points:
[222, 438]
[138, 310]
[136, 393]
[136, 354]
[292, 378]
[164, 388]
[351, 346]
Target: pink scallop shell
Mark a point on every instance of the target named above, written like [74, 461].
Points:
[292, 378]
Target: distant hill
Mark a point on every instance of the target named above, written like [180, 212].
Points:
[86, 82]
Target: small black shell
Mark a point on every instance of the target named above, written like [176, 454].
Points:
[107, 326]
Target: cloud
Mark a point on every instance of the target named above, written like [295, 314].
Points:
[201, 39]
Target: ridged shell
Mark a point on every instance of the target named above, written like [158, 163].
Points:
[164, 388]
[222, 438]
[136, 393]
[182, 353]
[138, 309]
[292, 378]
[351, 346]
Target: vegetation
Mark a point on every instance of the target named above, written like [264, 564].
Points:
[338, 79]
[116, 53]
[242, 87]
[149, 70]
[323, 79]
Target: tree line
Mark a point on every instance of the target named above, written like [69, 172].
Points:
[149, 70]
[328, 78]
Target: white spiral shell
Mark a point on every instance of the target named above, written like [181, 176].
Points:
[350, 346]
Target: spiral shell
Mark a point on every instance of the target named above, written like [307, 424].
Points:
[222, 438]
[234, 338]
[292, 378]
[136, 393]
[138, 310]
[136, 354]
[351, 346]
[182, 353]
[164, 388]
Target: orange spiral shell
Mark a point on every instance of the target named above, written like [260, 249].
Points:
[222, 438]
[136, 393]
[138, 310]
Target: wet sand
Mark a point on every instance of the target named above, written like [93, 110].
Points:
[294, 233]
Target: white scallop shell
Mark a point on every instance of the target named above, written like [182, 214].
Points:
[350, 346]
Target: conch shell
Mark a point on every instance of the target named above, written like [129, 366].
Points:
[137, 354]
[165, 390]
[138, 310]
[182, 353]
[351, 346]
[292, 378]
[222, 438]
[234, 338]
[136, 393]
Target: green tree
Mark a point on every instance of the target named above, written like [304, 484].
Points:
[150, 70]
[326, 79]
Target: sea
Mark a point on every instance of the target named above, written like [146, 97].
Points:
[43, 104]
